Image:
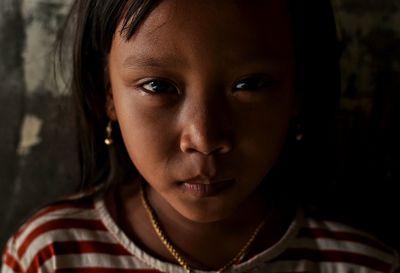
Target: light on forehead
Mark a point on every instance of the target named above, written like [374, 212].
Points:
[196, 40]
[139, 60]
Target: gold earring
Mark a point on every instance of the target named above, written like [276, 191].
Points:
[108, 140]
[299, 133]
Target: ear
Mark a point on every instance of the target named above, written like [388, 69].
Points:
[110, 107]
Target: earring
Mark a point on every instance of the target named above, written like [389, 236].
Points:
[299, 132]
[108, 140]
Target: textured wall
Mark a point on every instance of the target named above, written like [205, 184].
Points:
[369, 149]
[37, 152]
[38, 162]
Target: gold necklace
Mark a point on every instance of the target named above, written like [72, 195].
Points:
[178, 257]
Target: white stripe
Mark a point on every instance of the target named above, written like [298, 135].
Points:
[346, 246]
[63, 235]
[68, 213]
[91, 260]
[10, 244]
[10, 249]
[335, 227]
[308, 266]
[6, 269]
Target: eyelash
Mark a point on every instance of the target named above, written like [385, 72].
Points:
[254, 83]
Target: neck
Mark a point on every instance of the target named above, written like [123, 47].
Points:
[195, 240]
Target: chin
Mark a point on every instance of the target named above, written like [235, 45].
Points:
[202, 214]
[205, 219]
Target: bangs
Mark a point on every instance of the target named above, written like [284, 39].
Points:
[105, 17]
[134, 13]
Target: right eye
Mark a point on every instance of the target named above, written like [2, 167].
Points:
[158, 87]
[253, 83]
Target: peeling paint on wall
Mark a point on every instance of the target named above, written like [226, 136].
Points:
[42, 19]
[30, 134]
[37, 151]
[369, 29]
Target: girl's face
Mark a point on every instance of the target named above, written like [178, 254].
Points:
[203, 94]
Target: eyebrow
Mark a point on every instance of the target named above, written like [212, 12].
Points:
[139, 60]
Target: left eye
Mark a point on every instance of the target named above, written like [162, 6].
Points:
[252, 84]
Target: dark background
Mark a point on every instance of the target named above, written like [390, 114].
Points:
[37, 151]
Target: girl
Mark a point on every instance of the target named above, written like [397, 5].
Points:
[198, 122]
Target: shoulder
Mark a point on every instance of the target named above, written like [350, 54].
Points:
[76, 234]
[59, 228]
[334, 243]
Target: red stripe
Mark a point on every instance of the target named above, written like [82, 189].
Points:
[104, 270]
[64, 204]
[75, 247]
[60, 224]
[297, 254]
[12, 263]
[343, 236]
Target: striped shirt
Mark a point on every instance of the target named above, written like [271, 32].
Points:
[79, 235]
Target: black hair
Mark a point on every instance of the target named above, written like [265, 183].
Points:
[317, 76]
[92, 25]
[317, 55]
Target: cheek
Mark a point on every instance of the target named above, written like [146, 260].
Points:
[263, 132]
[148, 137]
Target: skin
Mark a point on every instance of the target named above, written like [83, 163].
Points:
[204, 89]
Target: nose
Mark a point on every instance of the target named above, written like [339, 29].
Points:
[207, 129]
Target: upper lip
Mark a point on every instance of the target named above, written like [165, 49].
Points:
[202, 179]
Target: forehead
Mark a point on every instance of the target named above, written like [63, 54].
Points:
[209, 27]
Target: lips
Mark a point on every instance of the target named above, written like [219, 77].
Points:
[202, 188]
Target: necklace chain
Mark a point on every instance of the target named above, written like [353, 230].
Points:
[178, 257]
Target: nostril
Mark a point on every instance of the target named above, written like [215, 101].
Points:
[215, 151]
[222, 149]
[222, 146]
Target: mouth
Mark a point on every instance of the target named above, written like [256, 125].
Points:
[202, 188]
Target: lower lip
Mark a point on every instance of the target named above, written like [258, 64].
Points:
[201, 190]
